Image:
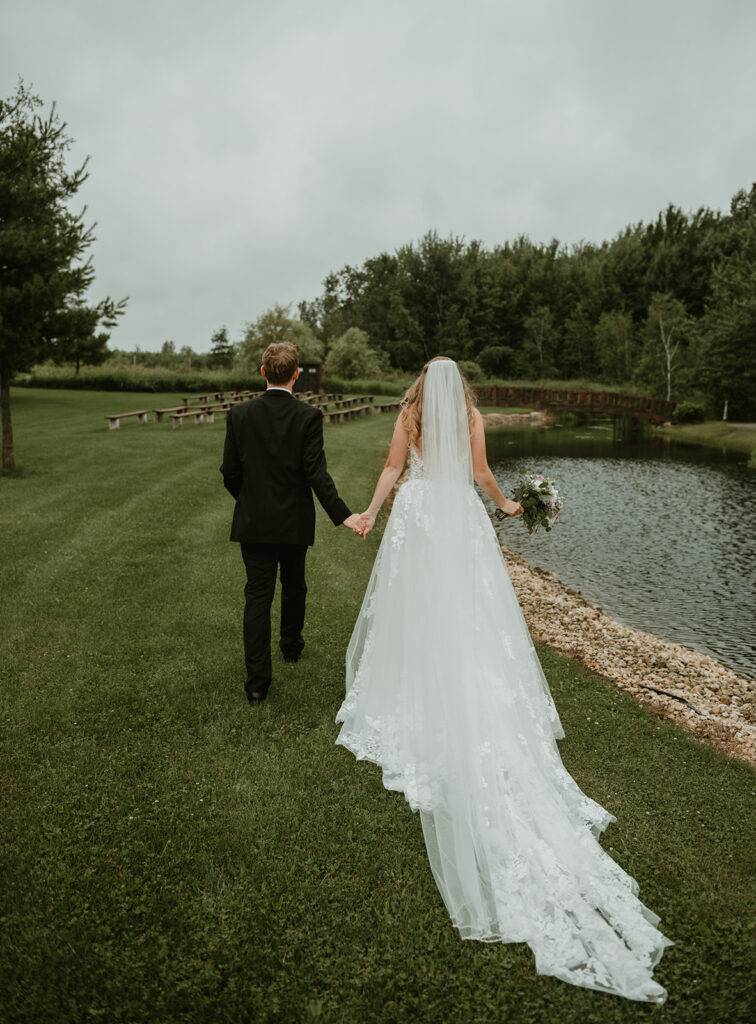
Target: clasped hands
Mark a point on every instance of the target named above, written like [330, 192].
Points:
[364, 523]
[361, 524]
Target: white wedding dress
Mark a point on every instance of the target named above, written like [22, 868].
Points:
[446, 693]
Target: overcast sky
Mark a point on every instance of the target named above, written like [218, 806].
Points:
[242, 149]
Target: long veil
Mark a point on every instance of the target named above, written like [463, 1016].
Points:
[446, 693]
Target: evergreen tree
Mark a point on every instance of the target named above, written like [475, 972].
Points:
[43, 280]
[221, 350]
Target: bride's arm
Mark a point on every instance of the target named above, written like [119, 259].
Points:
[482, 474]
[397, 456]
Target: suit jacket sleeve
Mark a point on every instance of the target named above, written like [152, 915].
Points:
[314, 464]
[232, 466]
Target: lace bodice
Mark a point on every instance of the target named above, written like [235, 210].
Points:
[416, 464]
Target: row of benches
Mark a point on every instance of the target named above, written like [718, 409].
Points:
[353, 412]
[346, 409]
[311, 397]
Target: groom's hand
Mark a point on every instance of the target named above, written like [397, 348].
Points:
[354, 522]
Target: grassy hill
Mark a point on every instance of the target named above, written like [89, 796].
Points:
[171, 854]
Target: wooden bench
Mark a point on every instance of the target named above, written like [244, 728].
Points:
[386, 406]
[352, 413]
[217, 395]
[348, 403]
[198, 414]
[159, 413]
[206, 414]
[114, 421]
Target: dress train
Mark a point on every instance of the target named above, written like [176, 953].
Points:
[446, 694]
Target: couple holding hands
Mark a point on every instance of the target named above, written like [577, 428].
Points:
[444, 687]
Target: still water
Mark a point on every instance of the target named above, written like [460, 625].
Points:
[658, 534]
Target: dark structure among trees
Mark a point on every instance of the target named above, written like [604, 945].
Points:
[310, 377]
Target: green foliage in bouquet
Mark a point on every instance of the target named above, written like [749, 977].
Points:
[540, 499]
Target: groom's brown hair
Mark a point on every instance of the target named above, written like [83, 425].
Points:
[280, 361]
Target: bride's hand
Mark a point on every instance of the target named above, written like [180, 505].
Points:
[512, 508]
[368, 521]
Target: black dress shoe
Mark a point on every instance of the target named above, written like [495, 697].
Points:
[255, 697]
[291, 657]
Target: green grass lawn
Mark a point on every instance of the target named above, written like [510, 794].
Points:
[171, 854]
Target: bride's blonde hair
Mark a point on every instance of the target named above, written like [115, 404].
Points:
[412, 404]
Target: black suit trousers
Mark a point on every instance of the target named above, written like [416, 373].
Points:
[261, 562]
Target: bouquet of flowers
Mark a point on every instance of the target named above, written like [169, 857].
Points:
[540, 499]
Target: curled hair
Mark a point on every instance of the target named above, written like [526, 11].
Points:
[412, 405]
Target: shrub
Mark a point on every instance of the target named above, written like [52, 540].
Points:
[688, 412]
[496, 360]
[351, 356]
[157, 379]
[470, 371]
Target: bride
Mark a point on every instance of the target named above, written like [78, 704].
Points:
[446, 693]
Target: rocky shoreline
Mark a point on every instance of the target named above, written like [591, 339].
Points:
[675, 682]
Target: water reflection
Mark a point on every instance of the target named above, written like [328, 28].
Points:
[656, 533]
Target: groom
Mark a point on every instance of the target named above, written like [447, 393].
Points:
[273, 460]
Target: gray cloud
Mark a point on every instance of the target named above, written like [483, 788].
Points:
[241, 150]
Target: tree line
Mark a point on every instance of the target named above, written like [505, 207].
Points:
[669, 306]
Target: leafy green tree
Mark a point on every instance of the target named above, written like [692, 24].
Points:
[578, 352]
[496, 360]
[351, 356]
[668, 332]
[614, 345]
[43, 276]
[221, 350]
[540, 342]
[188, 356]
[727, 355]
[275, 325]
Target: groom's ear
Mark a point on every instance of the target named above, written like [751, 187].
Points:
[262, 371]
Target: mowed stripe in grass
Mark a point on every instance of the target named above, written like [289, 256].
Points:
[170, 853]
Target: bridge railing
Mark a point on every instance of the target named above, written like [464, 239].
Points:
[611, 402]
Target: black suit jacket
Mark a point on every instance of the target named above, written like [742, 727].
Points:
[273, 460]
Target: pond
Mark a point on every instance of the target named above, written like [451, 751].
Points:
[657, 533]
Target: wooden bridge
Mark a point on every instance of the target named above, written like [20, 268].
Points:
[606, 403]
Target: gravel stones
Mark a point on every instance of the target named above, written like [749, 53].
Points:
[691, 688]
